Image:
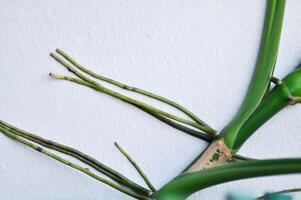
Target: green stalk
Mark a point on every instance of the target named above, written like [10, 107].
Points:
[136, 166]
[189, 131]
[288, 91]
[153, 109]
[100, 167]
[263, 71]
[281, 96]
[71, 164]
[117, 95]
[133, 89]
[94, 85]
[186, 184]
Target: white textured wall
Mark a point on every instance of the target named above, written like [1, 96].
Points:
[200, 53]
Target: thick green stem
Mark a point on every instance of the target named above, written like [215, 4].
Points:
[71, 164]
[231, 135]
[263, 71]
[276, 100]
[133, 89]
[271, 105]
[186, 184]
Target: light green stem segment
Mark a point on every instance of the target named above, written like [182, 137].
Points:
[133, 89]
[186, 184]
[139, 170]
[71, 164]
[96, 86]
[263, 71]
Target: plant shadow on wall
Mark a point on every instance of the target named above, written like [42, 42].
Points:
[219, 163]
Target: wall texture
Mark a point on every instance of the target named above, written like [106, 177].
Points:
[200, 53]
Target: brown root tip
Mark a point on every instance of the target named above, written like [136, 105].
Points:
[58, 50]
[54, 56]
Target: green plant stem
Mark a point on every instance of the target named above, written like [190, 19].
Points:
[71, 164]
[100, 167]
[277, 99]
[129, 100]
[262, 74]
[189, 131]
[235, 134]
[279, 192]
[136, 166]
[186, 184]
[272, 104]
[133, 89]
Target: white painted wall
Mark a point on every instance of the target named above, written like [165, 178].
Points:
[200, 53]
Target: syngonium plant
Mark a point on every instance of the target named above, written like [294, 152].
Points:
[219, 163]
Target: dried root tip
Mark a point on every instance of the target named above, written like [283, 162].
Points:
[62, 77]
[59, 51]
[55, 56]
[58, 76]
[294, 100]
